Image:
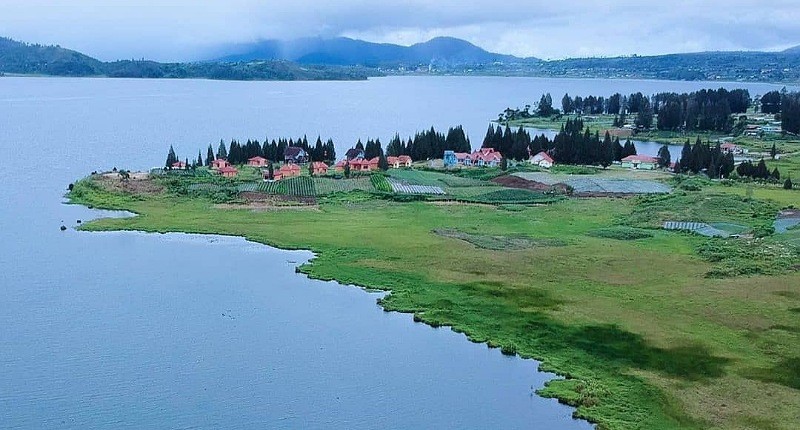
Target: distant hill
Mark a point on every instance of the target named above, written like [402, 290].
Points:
[793, 50]
[28, 59]
[24, 58]
[345, 51]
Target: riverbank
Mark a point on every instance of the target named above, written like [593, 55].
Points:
[645, 337]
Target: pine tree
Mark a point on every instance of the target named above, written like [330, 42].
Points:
[776, 175]
[270, 171]
[773, 152]
[504, 164]
[787, 185]
[171, 158]
[664, 157]
[199, 158]
[383, 163]
[209, 155]
[221, 151]
[347, 169]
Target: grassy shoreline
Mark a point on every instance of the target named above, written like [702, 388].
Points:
[632, 324]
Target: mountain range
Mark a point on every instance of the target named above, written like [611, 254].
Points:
[342, 51]
[347, 59]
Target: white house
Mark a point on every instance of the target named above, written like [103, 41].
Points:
[542, 160]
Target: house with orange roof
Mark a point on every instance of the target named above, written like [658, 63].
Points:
[180, 165]
[219, 163]
[289, 170]
[486, 157]
[228, 171]
[257, 161]
[319, 168]
[640, 162]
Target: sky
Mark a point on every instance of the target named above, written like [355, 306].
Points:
[181, 30]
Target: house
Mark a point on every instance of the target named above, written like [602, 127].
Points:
[364, 165]
[289, 170]
[463, 159]
[450, 159]
[542, 159]
[257, 161]
[339, 166]
[319, 168]
[404, 160]
[228, 171]
[752, 130]
[354, 154]
[180, 165]
[731, 148]
[640, 162]
[220, 163]
[295, 155]
[486, 157]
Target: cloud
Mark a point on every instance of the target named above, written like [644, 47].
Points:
[187, 29]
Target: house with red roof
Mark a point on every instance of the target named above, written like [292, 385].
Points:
[542, 159]
[289, 170]
[399, 161]
[640, 162]
[486, 157]
[180, 165]
[364, 165]
[319, 168]
[257, 161]
[228, 171]
[219, 163]
[731, 148]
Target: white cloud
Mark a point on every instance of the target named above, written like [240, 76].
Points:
[186, 29]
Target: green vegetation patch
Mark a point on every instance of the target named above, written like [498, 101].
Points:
[380, 183]
[515, 196]
[300, 186]
[620, 233]
[736, 257]
[574, 170]
[653, 210]
[498, 242]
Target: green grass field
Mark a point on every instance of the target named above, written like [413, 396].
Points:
[627, 312]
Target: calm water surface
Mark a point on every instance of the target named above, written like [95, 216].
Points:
[129, 330]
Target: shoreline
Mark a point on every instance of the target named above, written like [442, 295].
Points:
[304, 268]
[528, 302]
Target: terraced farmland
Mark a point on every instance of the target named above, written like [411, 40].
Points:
[324, 186]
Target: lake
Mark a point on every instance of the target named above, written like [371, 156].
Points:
[131, 330]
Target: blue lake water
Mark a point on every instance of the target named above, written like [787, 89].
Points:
[130, 330]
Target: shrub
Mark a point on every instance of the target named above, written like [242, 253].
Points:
[621, 233]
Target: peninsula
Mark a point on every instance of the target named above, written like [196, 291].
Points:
[666, 300]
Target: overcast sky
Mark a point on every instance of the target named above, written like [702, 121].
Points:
[190, 29]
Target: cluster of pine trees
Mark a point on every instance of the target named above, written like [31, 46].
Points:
[702, 157]
[747, 169]
[700, 110]
[429, 144]
[787, 105]
[238, 153]
[573, 144]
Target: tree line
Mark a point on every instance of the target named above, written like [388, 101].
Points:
[238, 153]
[708, 110]
[430, 144]
[702, 157]
[573, 144]
[787, 105]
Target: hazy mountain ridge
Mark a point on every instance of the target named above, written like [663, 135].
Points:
[28, 59]
[346, 51]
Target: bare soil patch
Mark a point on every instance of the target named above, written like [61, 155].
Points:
[512, 181]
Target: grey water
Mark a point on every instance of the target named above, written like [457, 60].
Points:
[132, 330]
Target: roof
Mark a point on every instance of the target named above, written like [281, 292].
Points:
[729, 146]
[641, 158]
[486, 154]
[319, 165]
[228, 169]
[290, 167]
[293, 151]
[257, 158]
[354, 153]
[404, 158]
[179, 164]
[543, 156]
[220, 161]
[462, 155]
[393, 160]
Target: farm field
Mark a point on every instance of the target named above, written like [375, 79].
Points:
[654, 328]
